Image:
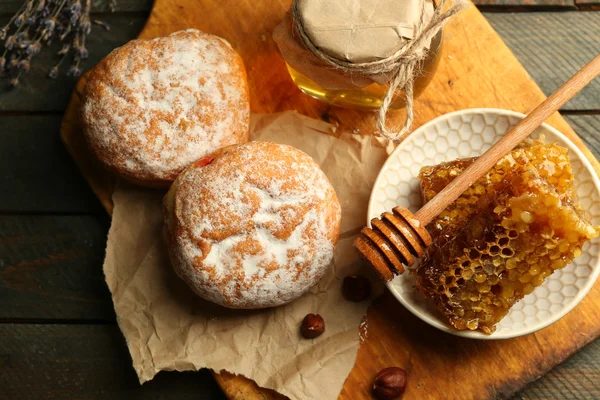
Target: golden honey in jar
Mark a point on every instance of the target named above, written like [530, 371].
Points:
[355, 31]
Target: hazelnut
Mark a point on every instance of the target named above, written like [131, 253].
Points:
[389, 383]
[356, 287]
[312, 326]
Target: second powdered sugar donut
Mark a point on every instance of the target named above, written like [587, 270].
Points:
[252, 226]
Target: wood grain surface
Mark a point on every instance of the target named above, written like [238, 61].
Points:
[66, 362]
[469, 76]
[571, 380]
[556, 45]
[588, 128]
[590, 5]
[51, 267]
[38, 170]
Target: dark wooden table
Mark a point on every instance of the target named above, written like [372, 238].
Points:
[58, 334]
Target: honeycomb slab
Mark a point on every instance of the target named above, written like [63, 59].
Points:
[509, 231]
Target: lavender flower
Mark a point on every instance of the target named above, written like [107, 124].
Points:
[48, 25]
[33, 48]
[53, 72]
[74, 71]
[13, 62]
[84, 25]
[24, 65]
[14, 82]
[64, 50]
[19, 20]
[40, 6]
[22, 39]
[10, 42]
[81, 53]
[75, 10]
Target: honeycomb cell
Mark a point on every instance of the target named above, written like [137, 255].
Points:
[542, 292]
[464, 149]
[556, 298]
[543, 314]
[569, 279]
[490, 119]
[530, 312]
[477, 143]
[429, 150]
[431, 134]
[453, 138]
[509, 231]
[478, 123]
[555, 308]
[441, 143]
[582, 272]
[392, 192]
[404, 189]
[392, 179]
[418, 153]
[502, 124]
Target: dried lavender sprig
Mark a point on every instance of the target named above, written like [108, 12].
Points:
[39, 22]
[53, 73]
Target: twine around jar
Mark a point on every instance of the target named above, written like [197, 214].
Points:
[404, 65]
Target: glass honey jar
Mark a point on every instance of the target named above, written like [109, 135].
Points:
[355, 31]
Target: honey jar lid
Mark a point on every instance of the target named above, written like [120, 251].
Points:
[362, 30]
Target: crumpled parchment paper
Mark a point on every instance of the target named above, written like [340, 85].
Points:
[167, 327]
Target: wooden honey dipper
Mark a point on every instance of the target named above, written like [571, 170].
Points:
[399, 237]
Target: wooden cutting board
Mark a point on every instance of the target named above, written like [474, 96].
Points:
[477, 70]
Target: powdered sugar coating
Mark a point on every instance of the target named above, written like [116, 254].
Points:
[152, 107]
[255, 228]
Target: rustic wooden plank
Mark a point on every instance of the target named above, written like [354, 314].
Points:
[552, 47]
[38, 93]
[56, 362]
[483, 72]
[588, 128]
[527, 4]
[588, 4]
[37, 171]
[51, 268]
[12, 6]
[576, 378]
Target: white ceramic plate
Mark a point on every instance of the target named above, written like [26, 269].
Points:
[469, 133]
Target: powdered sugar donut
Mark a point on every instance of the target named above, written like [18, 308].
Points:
[252, 226]
[152, 107]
